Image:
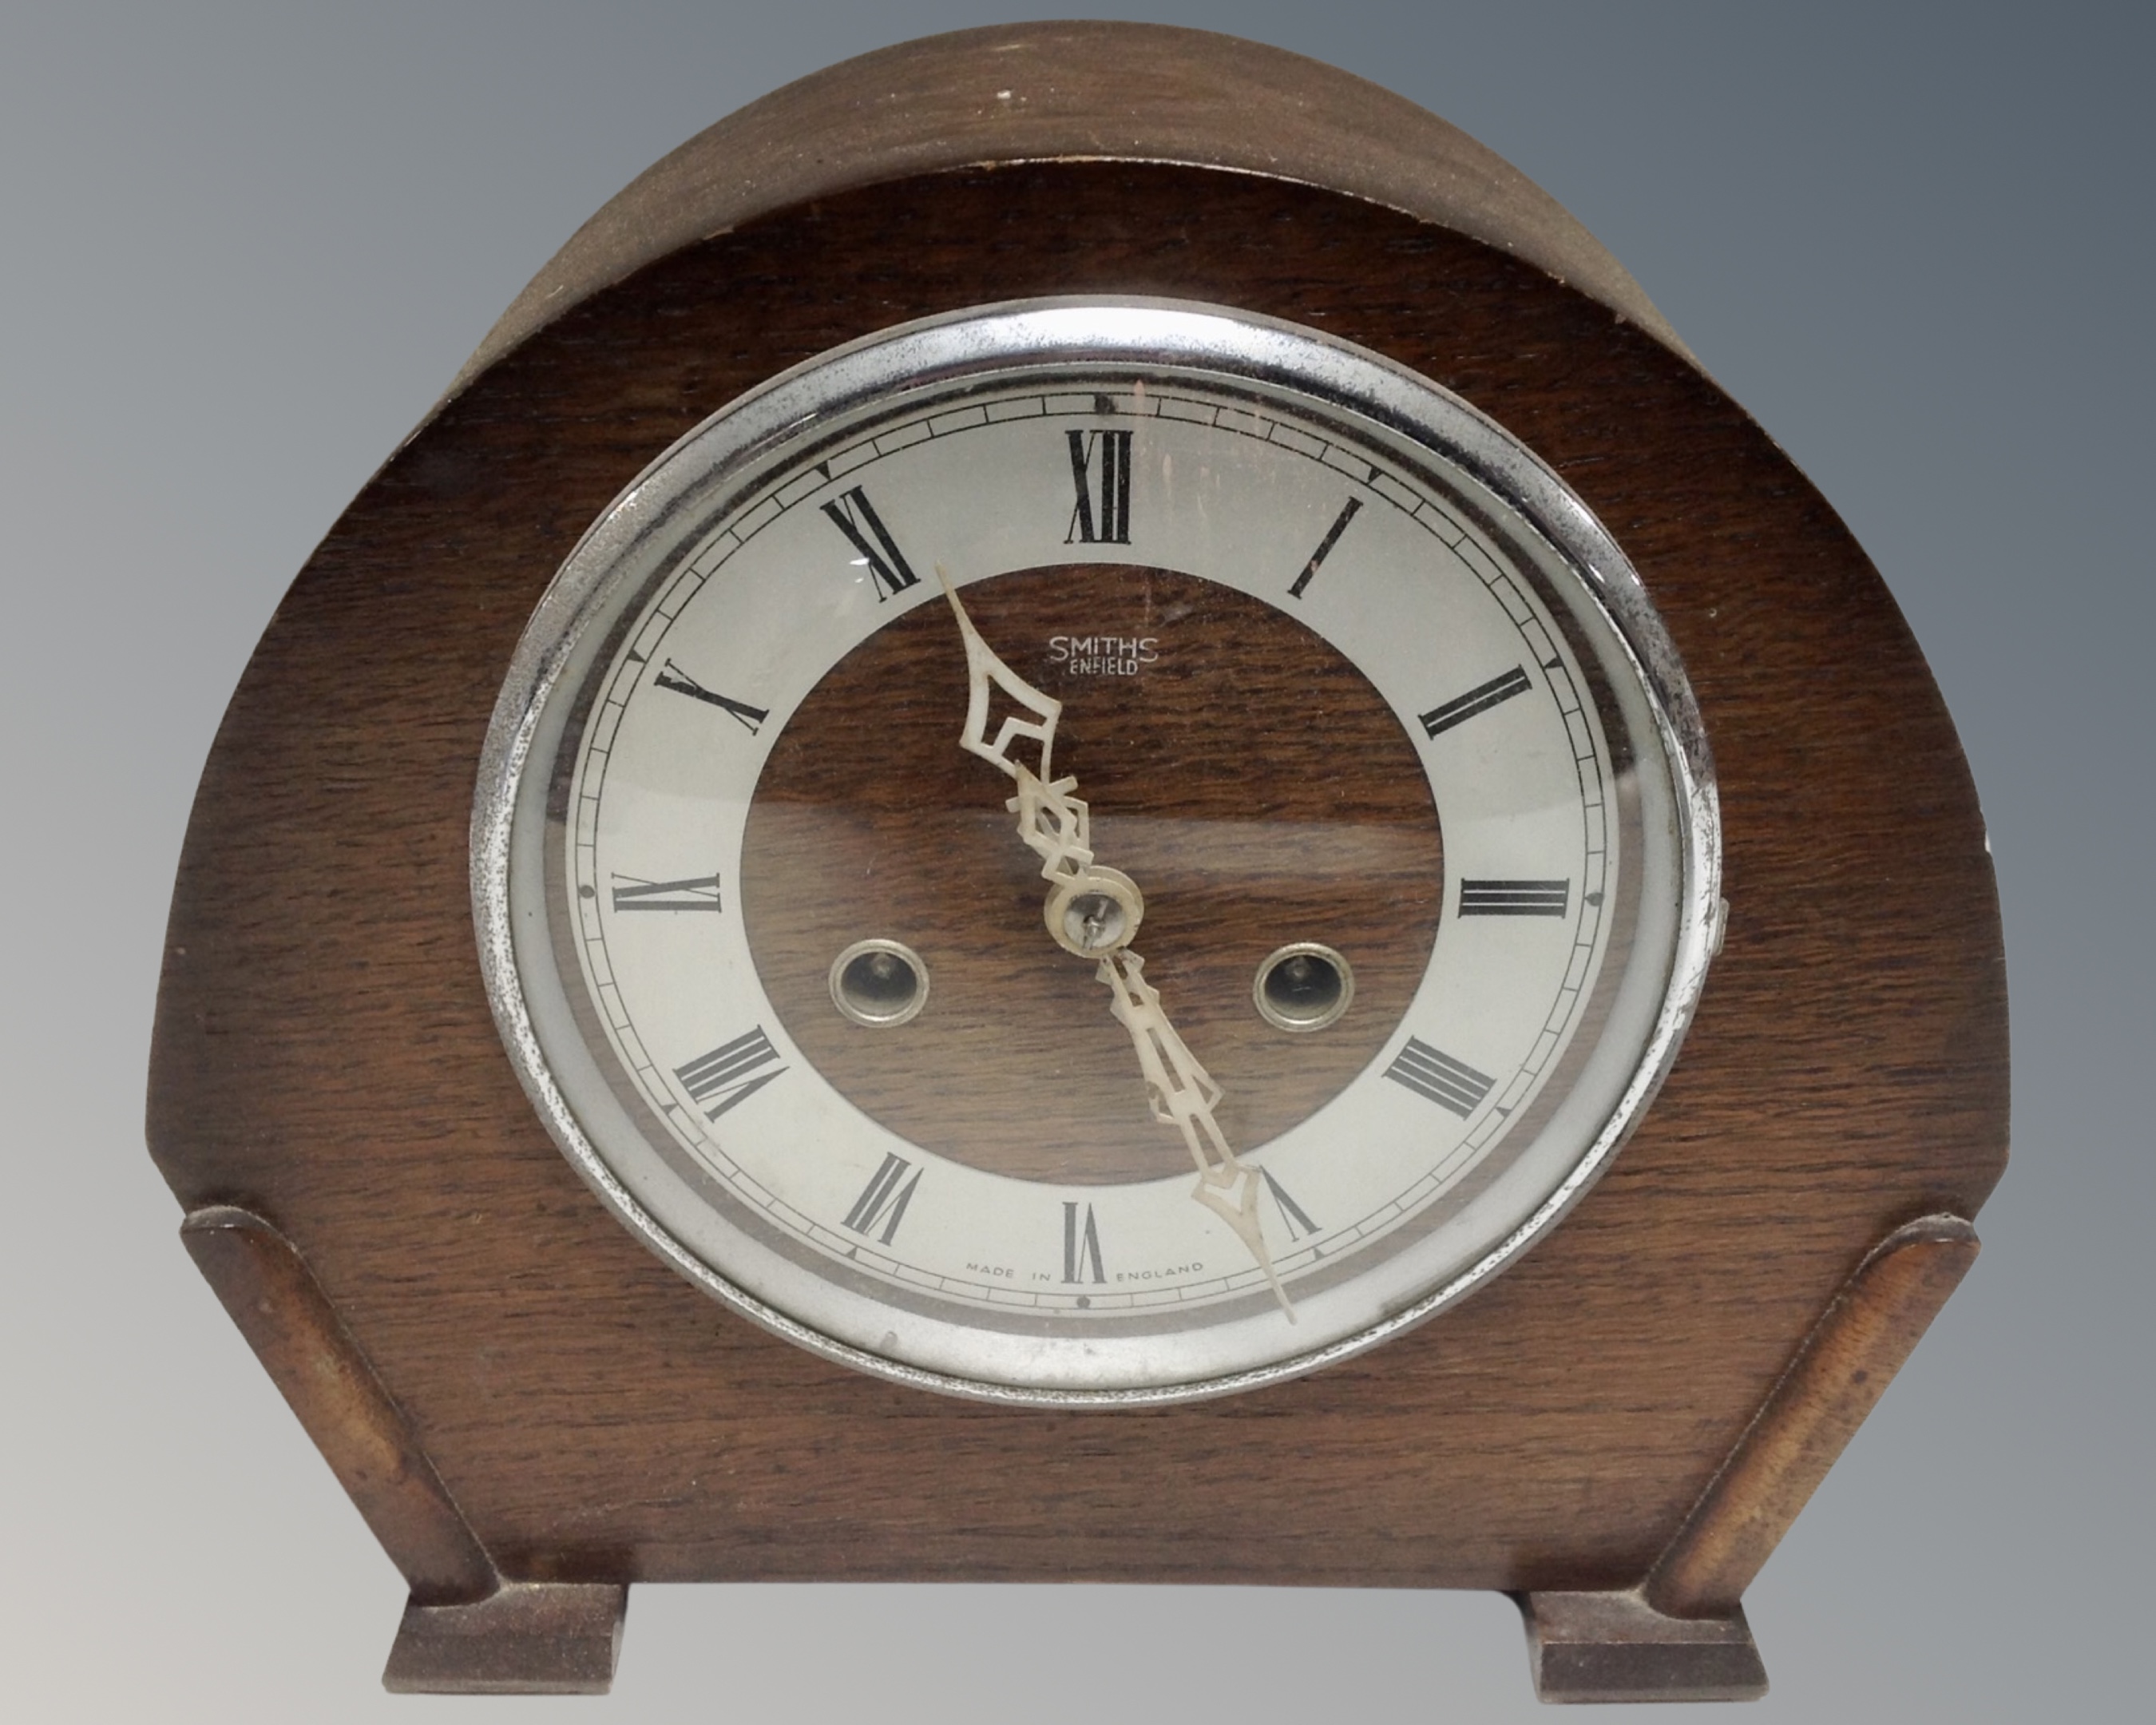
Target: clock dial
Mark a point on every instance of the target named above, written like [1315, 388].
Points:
[1362, 897]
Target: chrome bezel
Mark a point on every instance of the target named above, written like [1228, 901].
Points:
[733, 445]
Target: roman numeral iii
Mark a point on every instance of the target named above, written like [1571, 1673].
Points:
[1451, 1084]
[731, 1073]
[1459, 709]
[883, 1201]
[700, 894]
[1081, 1245]
[856, 516]
[1101, 469]
[1514, 898]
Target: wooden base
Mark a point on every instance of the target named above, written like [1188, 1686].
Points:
[1681, 1636]
[1615, 1646]
[528, 1638]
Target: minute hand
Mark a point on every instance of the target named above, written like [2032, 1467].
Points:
[1184, 1095]
[1056, 823]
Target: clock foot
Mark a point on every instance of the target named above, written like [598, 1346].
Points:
[529, 1638]
[1615, 1647]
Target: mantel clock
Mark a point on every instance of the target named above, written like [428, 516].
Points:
[1141, 770]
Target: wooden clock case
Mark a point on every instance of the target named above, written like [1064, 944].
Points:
[532, 1411]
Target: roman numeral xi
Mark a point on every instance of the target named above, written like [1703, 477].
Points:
[856, 516]
[1101, 469]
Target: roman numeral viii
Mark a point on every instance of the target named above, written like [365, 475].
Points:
[882, 1204]
[1101, 469]
[731, 1073]
[1514, 898]
[672, 676]
[1481, 698]
[856, 516]
[1451, 1084]
[700, 894]
[1081, 1245]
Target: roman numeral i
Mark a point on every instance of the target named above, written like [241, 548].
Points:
[1101, 469]
[1324, 547]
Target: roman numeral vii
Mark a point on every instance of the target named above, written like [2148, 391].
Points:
[882, 1203]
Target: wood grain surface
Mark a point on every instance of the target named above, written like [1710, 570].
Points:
[1243, 835]
[324, 1053]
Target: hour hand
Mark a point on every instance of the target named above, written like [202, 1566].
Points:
[985, 670]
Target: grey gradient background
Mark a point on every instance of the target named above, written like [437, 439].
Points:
[242, 248]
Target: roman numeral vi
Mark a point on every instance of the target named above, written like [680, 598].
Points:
[1081, 1245]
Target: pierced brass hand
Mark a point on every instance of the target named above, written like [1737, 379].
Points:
[1094, 912]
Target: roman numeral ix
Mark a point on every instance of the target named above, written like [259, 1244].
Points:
[1081, 1246]
[672, 676]
[730, 1072]
[1112, 516]
[700, 894]
[1514, 898]
[883, 1202]
[1451, 1084]
[1458, 710]
[856, 516]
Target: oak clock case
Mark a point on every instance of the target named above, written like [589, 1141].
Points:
[1382, 708]
[1632, 1364]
